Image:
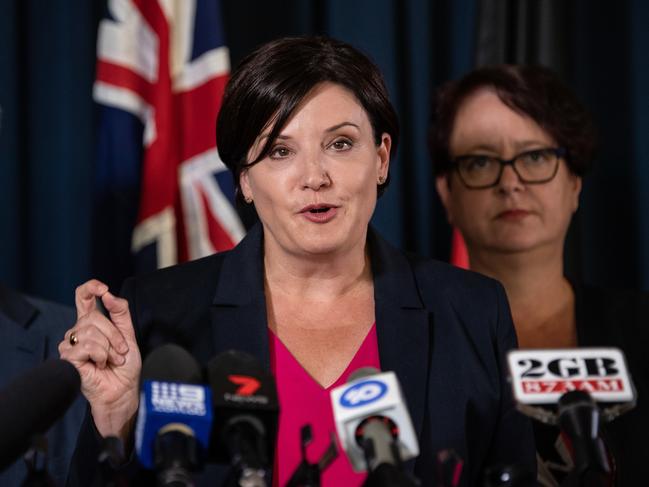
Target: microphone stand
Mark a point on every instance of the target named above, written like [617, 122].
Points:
[579, 419]
[386, 473]
[36, 461]
[308, 474]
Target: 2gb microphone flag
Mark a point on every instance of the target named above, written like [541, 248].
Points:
[162, 66]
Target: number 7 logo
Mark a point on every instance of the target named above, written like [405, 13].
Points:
[247, 385]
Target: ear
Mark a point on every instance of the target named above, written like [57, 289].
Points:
[244, 182]
[576, 189]
[442, 184]
[383, 153]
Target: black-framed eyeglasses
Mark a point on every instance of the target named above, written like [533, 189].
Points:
[532, 167]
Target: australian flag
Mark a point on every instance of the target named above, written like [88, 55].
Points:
[162, 194]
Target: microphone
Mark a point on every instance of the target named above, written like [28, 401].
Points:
[32, 403]
[245, 416]
[111, 454]
[175, 415]
[562, 387]
[308, 474]
[374, 427]
[579, 419]
[448, 468]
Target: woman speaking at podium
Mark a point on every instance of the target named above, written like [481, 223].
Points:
[308, 132]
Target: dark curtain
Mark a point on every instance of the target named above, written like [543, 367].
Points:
[47, 55]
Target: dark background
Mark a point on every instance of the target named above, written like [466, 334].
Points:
[47, 144]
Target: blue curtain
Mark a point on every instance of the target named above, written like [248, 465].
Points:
[47, 146]
[47, 53]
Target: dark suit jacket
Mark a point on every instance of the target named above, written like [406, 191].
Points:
[442, 330]
[30, 331]
[621, 319]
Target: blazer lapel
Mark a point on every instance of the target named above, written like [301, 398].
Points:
[238, 312]
[403, 324]
[24, 344]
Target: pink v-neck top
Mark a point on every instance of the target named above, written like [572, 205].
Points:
[304, 401]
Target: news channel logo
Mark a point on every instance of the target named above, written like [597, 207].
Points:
[175, 398]
[363, 393]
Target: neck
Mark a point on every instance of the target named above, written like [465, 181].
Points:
[319, 277]
[540, 297]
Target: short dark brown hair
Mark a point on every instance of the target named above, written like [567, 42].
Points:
[533, 91]
[269, 84]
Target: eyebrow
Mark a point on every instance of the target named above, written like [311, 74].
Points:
[340, 125]
[328, 130]
[522, 146]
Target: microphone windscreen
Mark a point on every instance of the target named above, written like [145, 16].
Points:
[32, 402]
[171, 363]
[241, 388]
[362, 372]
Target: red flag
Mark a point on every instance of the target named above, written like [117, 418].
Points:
[459, 254]
[166, 64]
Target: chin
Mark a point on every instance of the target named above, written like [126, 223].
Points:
[515, 245]
[330, 244]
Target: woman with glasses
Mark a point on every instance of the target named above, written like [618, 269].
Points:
[510, 146]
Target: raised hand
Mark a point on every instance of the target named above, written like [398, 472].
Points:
[105, 353]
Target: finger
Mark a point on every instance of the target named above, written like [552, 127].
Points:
[95, 322]
[88, 349]
[120, 314]
[84, 296]
[88, 334]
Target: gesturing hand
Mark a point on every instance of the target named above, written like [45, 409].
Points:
[105, 353]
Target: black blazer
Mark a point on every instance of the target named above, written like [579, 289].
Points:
[620, 319]
[30, 331]
[442, 330]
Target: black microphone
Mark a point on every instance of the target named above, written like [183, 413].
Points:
[245, 416]
[448, 468]
[174, 417]
[309, 474]
[32, 403]
[579, 419]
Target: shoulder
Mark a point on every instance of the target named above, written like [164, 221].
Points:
[609, 312]
[174, 279]
[470, 295]
[57, 314]
[434, 278]
[459, 285]
[626, 300]
[25, 311]
[459, 299]
[206, 274]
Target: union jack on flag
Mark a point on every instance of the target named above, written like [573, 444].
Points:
[162, 66]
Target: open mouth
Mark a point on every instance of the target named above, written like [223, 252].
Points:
[319, 213]
[315, 209]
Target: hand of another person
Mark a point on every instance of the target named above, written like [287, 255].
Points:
[106, 354]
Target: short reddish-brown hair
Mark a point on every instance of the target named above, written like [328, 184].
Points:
[533, 91]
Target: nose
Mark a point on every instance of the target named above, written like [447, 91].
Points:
[316, 175]
[509, 181]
